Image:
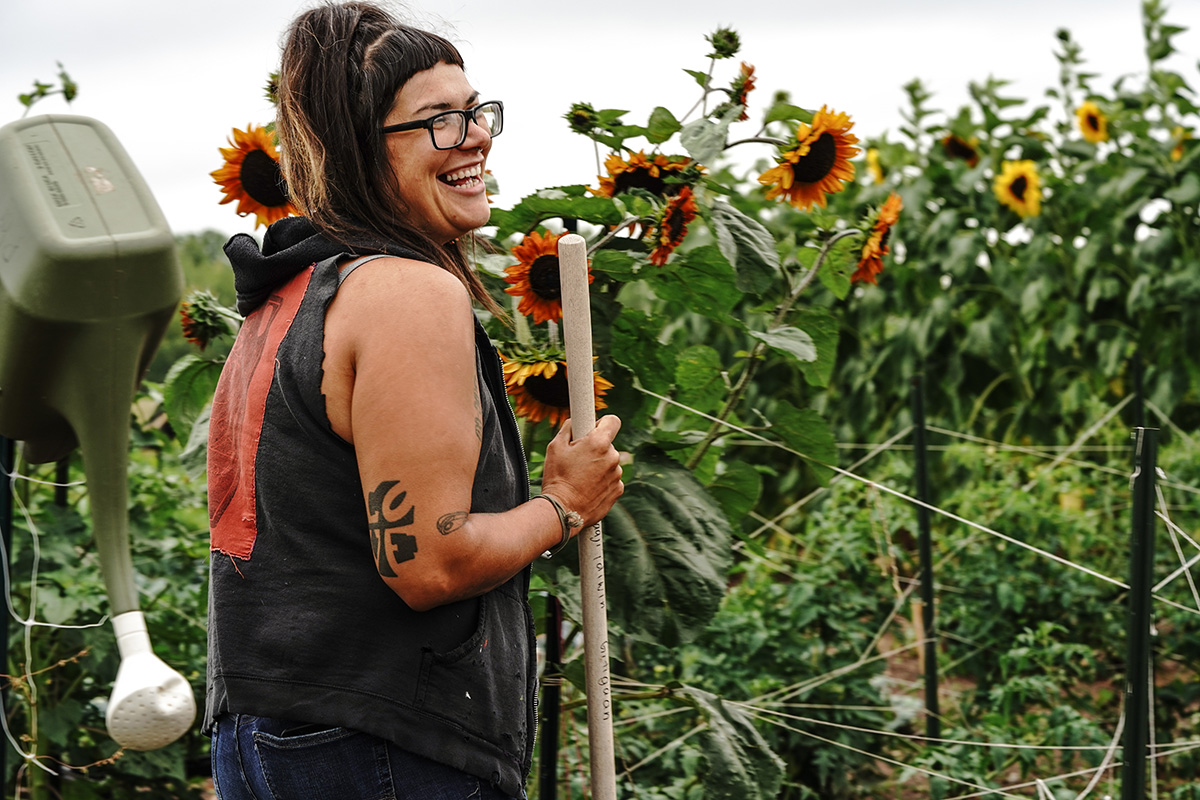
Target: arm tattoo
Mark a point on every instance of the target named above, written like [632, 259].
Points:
[388, 543]
[449, 523]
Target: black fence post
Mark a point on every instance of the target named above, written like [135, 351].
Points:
[551, 703]
[933, 724]
[1141, 579]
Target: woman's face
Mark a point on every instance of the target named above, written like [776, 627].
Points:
[442, 190]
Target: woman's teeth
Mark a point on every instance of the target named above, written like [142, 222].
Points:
[463, 176]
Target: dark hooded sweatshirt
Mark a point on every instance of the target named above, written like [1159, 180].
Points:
[300, 625]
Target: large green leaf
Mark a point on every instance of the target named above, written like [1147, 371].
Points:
[667, 548]
[704, 139]
[790, 341]
[822, 328]
[747, 245]
[739, 763]
[806, 432]
[188, 389]
[702, 280]
[698, 378]
[662, 125]
[737, 488]
[635, 346]
[567, 202]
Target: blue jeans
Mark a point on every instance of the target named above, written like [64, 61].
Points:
[259, 758]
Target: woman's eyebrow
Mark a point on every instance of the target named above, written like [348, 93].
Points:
[472, 100]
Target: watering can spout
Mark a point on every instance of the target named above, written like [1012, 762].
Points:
[89, 281]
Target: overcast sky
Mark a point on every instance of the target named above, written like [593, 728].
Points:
[172, 78]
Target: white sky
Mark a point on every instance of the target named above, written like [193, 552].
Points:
[172, 77]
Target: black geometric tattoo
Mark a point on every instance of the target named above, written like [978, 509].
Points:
[449, 523]
[404, 547]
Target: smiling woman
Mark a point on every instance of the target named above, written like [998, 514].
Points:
[368, 493]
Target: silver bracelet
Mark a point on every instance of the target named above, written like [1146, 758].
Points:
[567, 519]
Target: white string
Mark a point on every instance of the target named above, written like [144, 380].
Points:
[1158, 412]
[915, 736]
[1039, 452]
[1108, 756]
[30, 622]
[915, 501]
[1087, 434]
[1171, 528]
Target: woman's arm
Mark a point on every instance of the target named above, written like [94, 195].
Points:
[401, 386]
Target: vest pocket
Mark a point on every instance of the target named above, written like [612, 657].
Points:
[482, 684]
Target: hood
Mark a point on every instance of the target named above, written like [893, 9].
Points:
[290, 245]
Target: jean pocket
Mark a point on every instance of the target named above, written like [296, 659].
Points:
[326, 764]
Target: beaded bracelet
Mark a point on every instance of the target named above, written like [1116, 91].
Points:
[567, 519]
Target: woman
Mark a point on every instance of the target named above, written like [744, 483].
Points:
[369, 634]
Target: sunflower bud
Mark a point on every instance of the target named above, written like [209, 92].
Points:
[582, 118]
[271, 89]
[203, 319]
[725, 42]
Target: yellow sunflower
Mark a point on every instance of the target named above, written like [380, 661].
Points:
[1019, 187]
[251, 176]
[870, 263]
[672, 227]
[817, 165]
[535, 279]
[1180, 136]
[640, 172]
[1092, 122]
[958, 147]
[537, 383]
[874, 166]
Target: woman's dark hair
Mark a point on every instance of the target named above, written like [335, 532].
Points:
[341, 68]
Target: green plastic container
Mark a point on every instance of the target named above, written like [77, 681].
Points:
[89, 280]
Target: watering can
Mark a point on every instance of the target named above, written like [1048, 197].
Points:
[89, 280]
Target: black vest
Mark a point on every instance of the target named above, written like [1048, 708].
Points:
[300, 624]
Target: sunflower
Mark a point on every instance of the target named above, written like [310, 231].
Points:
[672, 227]
[874, 166]
[818, 164]
[958, 147]
[251, 176]
[871, 262]
[1019, 187]
[1092, 122]
[641, 172]
[203, 318]
[537, 383]
[743, 84]
[1180, 136]
[535, 279]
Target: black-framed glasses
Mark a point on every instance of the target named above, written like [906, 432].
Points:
[448, 129]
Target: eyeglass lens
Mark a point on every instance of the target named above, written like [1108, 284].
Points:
[450, 129]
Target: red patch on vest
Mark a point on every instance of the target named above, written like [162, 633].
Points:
[238, 408]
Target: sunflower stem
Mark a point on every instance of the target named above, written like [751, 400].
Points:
[608, 237]
[759, 140]
[754, 359]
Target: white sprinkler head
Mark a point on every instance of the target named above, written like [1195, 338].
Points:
[151, 705]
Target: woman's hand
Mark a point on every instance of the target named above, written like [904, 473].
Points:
[585, 475]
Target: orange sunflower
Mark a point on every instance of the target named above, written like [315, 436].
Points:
[672, 226]
[640, 172]
[251, 176]
[819, 164]
[871, 262]
[537, 383]
[743, 84]
[1019, 187]
[958, 147]
[535, 279]
[1092, 122]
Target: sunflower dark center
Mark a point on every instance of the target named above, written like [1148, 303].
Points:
[1093, 122]
[675, 224]
[817, 164]
[550, 391]
[957, 148]
[261, 179]
[639, 178]
[543, 277]
[1018, 188]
